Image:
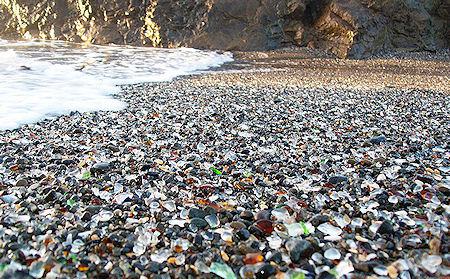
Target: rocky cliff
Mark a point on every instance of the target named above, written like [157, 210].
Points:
[347, 28]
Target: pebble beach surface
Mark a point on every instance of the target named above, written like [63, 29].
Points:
[277, 166]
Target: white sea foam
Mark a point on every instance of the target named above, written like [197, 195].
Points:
[42, 79]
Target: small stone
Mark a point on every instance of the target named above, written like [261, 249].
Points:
[9, 198]
[247, 215]
[344, 268]
[275, 241]
[431, 263]
[104, 215]
[197, 213]
[224, 256]
[248, 271]
[226, 236]
[263, 215]
[201, 147]
[392, 271]
[435, 245]
[94, 237]
[237, 225]
[380, 270]
[386, 228]
[357, 222]
[317, 257]
[393, 199]
[332, 254]
[378, 139]
[381, 177]
[294, 229]
[325, 275]
[199, 223]
[243, 234]
[299, 250]
[318, 219]
[265, 271]
[50, 196]
[265, 226]
[122, 197]
[329, 229]
[276, 257]
[253, 258]
[161, 255]
[337, 179]
[201, 266]
[139, 249]
[169, 205]
[212, 220]
[100, 167]
[222, 270]
[22, 183]
[280, 214]
[37, 269]
[426, 179]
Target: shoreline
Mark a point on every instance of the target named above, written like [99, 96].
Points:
[311, 166]
[401, 70]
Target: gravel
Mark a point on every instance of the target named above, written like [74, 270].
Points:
[256, 174]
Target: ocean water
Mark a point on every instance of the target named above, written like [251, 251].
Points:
[42, 79]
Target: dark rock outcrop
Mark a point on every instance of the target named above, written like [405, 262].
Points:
[360, 28]
[221, 24]
[347, 28]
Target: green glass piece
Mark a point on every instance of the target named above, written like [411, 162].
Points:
[222, 270]
[247, 174]
[3, 267]
[73, 257]
[298, 275]
[216, 171]
[70, 202]
[86, 175]
[305, 229]
[334, 273]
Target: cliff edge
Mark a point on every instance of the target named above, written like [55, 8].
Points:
[346, 28]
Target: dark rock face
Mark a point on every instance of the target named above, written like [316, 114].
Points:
[94, 21]
[347, 28]
[350, 28]
[359, 28]
[220, 24]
